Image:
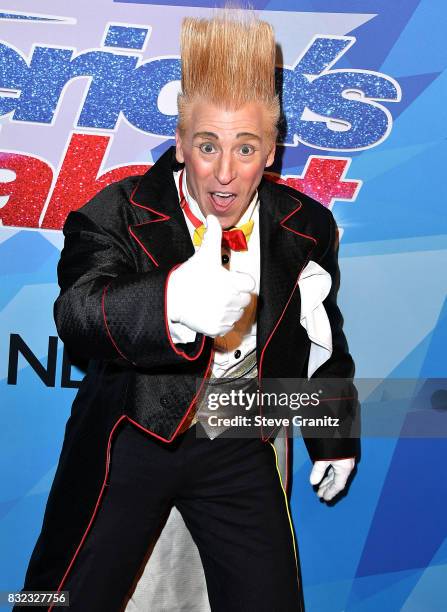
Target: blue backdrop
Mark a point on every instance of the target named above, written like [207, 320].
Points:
[363, 89]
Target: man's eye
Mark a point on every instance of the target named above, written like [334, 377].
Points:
[246, 149]
[207, 147]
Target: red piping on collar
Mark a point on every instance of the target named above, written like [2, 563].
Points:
[162, 215]
[151, 257]
[290, 215]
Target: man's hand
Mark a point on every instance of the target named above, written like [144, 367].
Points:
[336, 478]
[202, 294]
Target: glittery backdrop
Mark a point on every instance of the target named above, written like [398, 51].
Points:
[88, 96]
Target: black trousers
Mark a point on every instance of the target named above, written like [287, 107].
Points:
[230, 495]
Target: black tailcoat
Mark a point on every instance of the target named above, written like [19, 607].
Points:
[119, 250]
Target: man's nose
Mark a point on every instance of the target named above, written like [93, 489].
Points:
[225, 169]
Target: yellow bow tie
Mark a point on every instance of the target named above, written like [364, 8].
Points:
[230, 238]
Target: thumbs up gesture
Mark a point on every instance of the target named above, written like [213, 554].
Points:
[202, 294]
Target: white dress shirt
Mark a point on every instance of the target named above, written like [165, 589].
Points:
[231, 348]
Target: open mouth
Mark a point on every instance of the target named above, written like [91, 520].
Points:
[222, 199]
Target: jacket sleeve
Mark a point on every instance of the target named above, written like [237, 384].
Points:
[338, 372]
[107, 309]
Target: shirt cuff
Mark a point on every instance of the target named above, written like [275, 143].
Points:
[181, 334]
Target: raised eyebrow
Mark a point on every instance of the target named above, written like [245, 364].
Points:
[216, 137]
[248, 135]
[206, 135]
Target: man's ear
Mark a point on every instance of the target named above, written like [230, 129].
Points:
[178, 147]
[271, 156]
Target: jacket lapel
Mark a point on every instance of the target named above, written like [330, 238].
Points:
[162, 231]
[285, 245]
[285, 250]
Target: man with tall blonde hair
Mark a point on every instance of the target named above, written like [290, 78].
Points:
[193, 272]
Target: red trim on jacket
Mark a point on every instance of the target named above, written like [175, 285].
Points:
[107, 327]
[295, 210]
[185, 416]
[162, 216]
[151, 257]
[265, 439]
[104, 484]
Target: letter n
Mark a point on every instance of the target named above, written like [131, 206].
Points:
[47, 375]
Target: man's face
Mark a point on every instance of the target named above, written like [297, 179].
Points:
[225, 153]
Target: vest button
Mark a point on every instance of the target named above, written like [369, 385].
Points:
[237, 354]
[164, 401]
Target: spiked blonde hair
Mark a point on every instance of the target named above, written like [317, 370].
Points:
[228, 60]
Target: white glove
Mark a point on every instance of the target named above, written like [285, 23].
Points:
[202, 294]
[336, 478]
